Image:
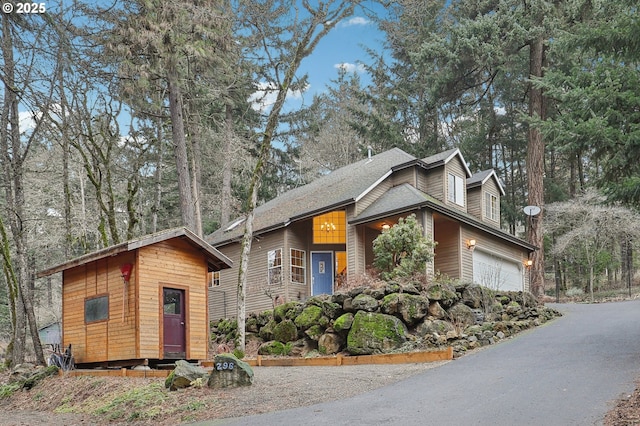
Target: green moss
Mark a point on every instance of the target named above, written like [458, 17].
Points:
[343, 322]
[310, 316]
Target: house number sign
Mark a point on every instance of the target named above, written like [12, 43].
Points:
[224, 366]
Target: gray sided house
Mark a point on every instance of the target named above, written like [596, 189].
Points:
[311, 239]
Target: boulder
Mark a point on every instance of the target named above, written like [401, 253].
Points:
[266, 332]
[310, 316]
[443, 293]
[273, 347]
[343, 323]
[436, 310]
[411, 308]
[184, 375]
[330, 343]
[374, 333]
[289, 310]
[435, 327]
[314, 332]
[229, 371]
[475, 296]
[461, 315]
[285, 331]
[364, 302]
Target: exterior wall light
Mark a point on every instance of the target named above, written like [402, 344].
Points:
[471, 244]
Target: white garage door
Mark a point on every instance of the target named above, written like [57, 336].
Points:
[496, 273]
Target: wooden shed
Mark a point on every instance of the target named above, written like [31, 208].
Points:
[145, 299]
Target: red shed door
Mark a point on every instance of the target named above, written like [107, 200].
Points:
[173, 323]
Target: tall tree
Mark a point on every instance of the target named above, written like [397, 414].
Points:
[284, 39]
[166, 47]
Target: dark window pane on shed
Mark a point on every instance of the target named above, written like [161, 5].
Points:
[96, 309]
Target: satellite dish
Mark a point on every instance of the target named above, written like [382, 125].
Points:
[531, 210]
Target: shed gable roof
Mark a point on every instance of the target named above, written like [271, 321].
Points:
[212, 255]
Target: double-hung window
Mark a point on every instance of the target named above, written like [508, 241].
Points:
[274, 267]
[490, 206]
[298, 267]
[456, 189]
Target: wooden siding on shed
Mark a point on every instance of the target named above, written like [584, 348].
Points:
[172, 264]
[111, 339]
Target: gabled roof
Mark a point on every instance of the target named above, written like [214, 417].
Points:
[444, 157]
[213, 256]
[482, 177]
[329, 192]
[405, 198]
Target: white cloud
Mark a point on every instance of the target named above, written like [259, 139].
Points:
[356, 20]
[263, 98]
[27, 121]
[350, 68]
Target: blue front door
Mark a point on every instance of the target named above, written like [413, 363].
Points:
[321, 273]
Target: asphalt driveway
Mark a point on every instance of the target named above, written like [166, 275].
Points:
[566, 372]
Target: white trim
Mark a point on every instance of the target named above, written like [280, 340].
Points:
[333, 272]
[303, 267]
[493, 173]
[376, 183]
[462, 160]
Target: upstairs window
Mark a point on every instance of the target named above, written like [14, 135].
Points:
[456, 189]
[491, 206]
[330, 228]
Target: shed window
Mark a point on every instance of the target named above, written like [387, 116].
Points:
[96, 309]
[456, 189]
[274, 266]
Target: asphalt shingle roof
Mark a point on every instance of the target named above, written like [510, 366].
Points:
[337, 188]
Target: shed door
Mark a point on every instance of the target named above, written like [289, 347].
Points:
[322, 273]
[495, 272]
[173, 323]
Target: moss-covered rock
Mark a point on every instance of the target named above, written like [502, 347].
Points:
[364, 302]
[443, 293]
[411, 308]
[343, 323]
[373, 333]
[310, 316]
[285, 331]
[274, 347]
[266, 332]
[289, 310]
[314, 332]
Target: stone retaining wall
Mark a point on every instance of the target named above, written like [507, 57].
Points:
[396, 317]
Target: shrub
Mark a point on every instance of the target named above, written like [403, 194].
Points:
[574, 291]
[402, 250]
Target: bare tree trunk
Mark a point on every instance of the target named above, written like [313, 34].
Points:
[158, 176]
[535, 167]
[227, 167]
[180, 150]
